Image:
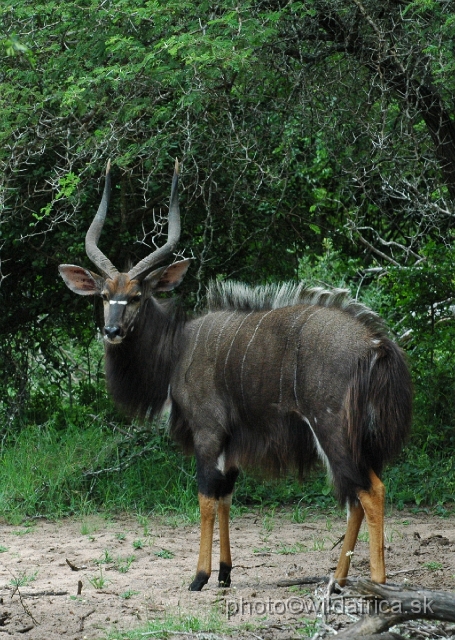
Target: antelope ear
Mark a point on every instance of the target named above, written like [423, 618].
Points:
[167, 278]
[81, 281]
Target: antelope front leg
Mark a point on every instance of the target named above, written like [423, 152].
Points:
[373, 504]
[207, 508]
[224, 576]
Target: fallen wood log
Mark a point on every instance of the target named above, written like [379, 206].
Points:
[387, 605]
[382, 636]
[411, 600]
[394, 604]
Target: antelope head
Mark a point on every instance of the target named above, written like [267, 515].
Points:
[123, 294]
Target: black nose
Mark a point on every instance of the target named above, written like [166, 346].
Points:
[112, 332]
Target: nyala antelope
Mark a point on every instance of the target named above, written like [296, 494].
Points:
[272, 377]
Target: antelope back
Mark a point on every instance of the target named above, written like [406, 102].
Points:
[270, 354]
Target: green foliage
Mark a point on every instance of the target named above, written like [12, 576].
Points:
[330, 268]
[122, 565]
[23, 579]
[41, 470]
[305, 153]
[67, 188]
[419, 303]
[433, 566]
[98, 581]
[129, 594]
[164, 553]
[60, 472]
[421, 478]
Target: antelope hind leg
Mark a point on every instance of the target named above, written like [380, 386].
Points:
[355, 518]
[372, 502]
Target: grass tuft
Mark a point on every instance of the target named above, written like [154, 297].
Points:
[176, 623]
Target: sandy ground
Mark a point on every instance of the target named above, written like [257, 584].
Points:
[134, 570]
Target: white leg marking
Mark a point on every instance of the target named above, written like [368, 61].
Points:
[221, 462]
[320, 450]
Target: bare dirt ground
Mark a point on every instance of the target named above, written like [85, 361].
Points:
[135, 570]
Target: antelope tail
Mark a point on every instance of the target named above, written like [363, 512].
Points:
[377, 409]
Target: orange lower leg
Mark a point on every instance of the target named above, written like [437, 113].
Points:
[373, 504]
[204, 566]
[224, 576]
[355, 518]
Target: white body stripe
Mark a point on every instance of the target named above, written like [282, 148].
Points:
[283, 360]
[242, 367]
[223, 327]
[231, 345]
[196, 341]
[296, 397]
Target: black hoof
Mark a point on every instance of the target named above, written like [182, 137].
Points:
[199, 581]
[224, 576]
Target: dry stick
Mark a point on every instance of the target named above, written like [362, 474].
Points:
[72, 566]
[22, 602]
[397, 573]
[83, 619]
[304, 580]
[25, 607]
[199, 635]
[124, 465]
[384, 636]
[37, 594]
[328, 593]
[335, 544]
[26, 629]
[325, 579]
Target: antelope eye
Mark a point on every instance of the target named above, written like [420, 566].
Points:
[105, 297]
[135, 299]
